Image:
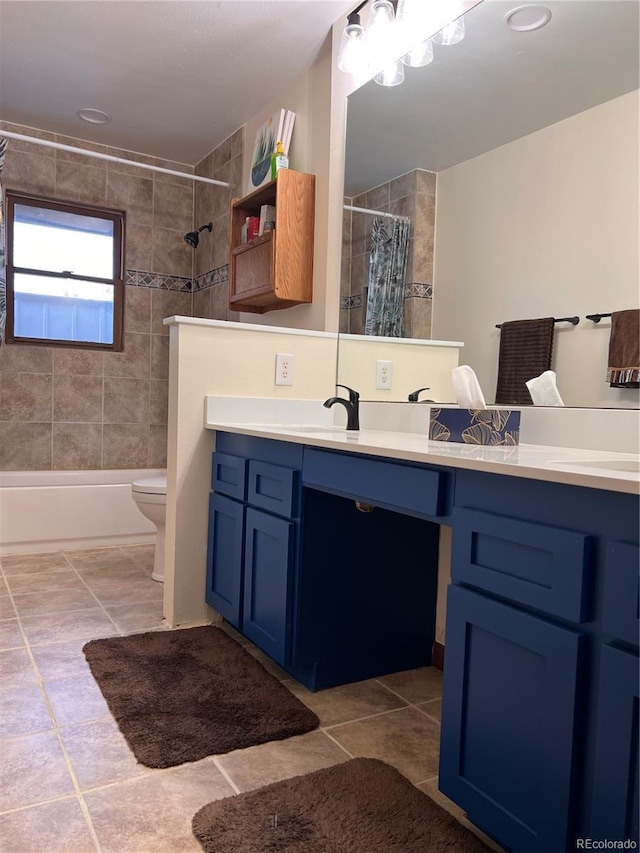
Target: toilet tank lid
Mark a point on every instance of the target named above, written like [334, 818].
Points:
[150, 485]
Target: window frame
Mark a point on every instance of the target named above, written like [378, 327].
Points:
[118, 217]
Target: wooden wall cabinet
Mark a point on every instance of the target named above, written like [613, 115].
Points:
[276, 270]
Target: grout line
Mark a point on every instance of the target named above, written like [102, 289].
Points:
[367, 717]
[337, 742]
[226, 775]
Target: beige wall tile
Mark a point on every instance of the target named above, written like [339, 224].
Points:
[426, 182]
[76, 182]
[344, 321]
[139, 248]
[205, 167]
[157, 446]
[202, 303]
[79, 158]
[159, 357]
[417, 314]
[137, 309]
[359, 273]
[403, 206]
[221, 195]
[126, 401]
[219, 302]
[237, 142]
[25, 397]
[167, 303]
[403, 185]
[29, 172]
[378, 198]
[203, 255]
[77, 399]
[77, 362]
[77, 446]
[235, 178]
[125, 445]
[203, 205]
[19, 358]
[170, 254]
[133, 361]
[25, 446]
[220, 254]
[158, 401]
[172, 206]
[222, 154]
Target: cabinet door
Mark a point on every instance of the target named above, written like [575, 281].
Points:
[614, 807]
[224, 557]
[509, 698]
[269, 551]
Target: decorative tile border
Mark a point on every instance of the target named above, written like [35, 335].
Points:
[140, 278]
[219, 275]
[412, 290]
[415, 290]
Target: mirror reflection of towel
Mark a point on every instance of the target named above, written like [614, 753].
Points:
[624, 349]
[525, 352]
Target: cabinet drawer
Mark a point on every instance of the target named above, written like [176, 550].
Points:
[229, 475]
[534, 564]
[274, 488]
[399, 487]
[622, 592]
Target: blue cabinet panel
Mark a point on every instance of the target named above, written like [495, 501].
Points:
[535, 564]
[269, 554]
[224, 557]
[228, 475]
[405, 488]
[621, 592]
[507, 743]
[614, 808]
[273, 488]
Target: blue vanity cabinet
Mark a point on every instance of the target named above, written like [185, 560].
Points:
[509, 703]
[254, 514]
[539, 739]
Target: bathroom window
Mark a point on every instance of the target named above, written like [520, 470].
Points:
[65, 265]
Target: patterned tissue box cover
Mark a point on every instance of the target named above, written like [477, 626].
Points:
[492, 427]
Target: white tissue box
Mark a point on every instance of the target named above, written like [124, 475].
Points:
[493, 427]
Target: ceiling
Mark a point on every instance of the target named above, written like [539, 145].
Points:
[493, 87]
[176, 77]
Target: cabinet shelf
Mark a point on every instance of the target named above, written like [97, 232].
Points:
[275, 270]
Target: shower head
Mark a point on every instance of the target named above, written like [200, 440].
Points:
[193, 237]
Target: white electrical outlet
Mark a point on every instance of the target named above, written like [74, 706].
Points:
[383, 375]
[285, 363]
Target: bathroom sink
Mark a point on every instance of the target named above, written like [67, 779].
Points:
[630, 465]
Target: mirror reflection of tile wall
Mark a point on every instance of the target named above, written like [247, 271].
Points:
[412, 195]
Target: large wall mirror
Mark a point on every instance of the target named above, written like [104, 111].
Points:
[514, 158]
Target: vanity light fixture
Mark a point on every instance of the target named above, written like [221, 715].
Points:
[93, 116]
[392, 25]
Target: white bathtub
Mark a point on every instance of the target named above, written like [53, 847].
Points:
[53, 510]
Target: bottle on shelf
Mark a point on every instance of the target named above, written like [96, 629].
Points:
[279, 160]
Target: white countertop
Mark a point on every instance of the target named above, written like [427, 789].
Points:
[618, 472]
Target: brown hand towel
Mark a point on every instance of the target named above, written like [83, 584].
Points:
[624, 349]
[525, 352]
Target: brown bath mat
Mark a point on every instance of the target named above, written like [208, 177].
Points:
[182, 695]
[361, 806]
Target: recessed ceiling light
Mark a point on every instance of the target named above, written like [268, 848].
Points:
[523, 19]
[93, 116]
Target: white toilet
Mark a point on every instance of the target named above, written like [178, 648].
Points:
[150, 494]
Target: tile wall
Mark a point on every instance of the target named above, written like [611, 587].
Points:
[211, 258]
[412, 195]
[67, 409]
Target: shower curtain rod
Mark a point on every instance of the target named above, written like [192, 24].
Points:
[99, 156]
[374, 212]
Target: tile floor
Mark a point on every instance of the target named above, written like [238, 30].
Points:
[68, 781]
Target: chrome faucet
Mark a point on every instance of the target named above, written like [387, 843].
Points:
[352, 406]
[413, 396]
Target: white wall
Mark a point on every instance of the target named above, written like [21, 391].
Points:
[546, 225]
[214, 357]
[415, 364]
[310, 98]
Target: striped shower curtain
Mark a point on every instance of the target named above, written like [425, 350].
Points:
[387, 272]
[3, 281]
